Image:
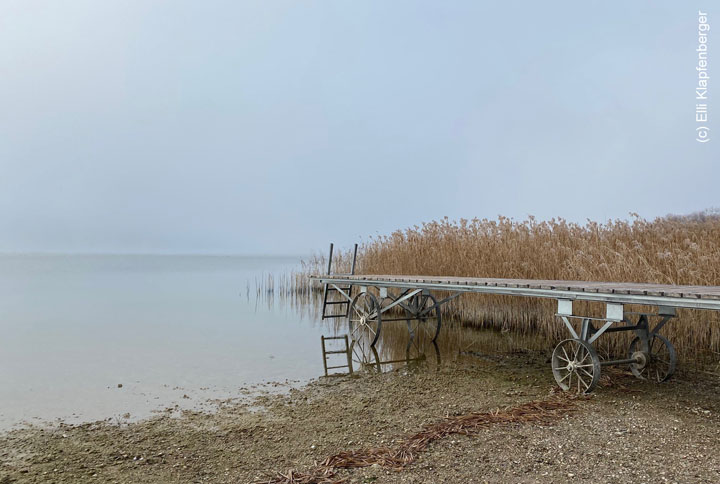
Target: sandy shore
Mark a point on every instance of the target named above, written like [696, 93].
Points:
[628, 431]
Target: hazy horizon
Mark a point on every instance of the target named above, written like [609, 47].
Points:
[275, 128]
[157, 254]
[715, 212]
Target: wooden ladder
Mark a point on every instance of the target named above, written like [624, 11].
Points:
[346, 351]
[343, 302]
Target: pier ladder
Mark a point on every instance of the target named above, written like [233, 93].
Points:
[346, 352]
[337, 296]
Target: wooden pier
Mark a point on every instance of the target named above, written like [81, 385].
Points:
[698, 297]
[367, 299]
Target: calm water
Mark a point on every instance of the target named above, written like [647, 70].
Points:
[173, 330]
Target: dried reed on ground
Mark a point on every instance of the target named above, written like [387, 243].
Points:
[543, 412]
[670, 250]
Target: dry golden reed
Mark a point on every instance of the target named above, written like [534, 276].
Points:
[669, 250]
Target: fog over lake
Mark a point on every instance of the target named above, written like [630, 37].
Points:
[169, 329]
[274, 128]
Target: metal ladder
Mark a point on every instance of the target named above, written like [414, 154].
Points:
[346, 351]
[332, 302]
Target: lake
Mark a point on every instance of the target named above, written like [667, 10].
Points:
[122, 337]
[88, 337]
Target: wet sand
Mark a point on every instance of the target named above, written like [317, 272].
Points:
[627, 431]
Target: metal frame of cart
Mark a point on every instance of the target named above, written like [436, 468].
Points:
[576, 365]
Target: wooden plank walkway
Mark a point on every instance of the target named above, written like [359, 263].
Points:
[700, 297]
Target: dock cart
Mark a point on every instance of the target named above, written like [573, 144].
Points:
[576, 365]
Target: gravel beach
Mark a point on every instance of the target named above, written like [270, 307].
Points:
[627, 431]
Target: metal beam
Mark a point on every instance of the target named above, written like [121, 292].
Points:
[569, 326]
[345, 295]
[667, 301]
[662, 323]
[439, 303]
[600, 331]
[400, 300]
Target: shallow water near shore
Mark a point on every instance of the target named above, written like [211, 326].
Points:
[122, 337]
[88, 337]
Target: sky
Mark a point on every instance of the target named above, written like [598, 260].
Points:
[276, 127]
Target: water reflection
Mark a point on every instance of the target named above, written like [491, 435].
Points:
[343, 356]
[404, 340]
[426, 357]
[402, 345]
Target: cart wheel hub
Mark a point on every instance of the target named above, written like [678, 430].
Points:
[641, 359]
[363, 320]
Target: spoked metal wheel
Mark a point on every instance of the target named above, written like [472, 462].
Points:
[657, 362]
[427, 355]
[365, 323]
[576, 366]
[423, 319]
[364, 358]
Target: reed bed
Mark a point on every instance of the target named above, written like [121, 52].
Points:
[668, 250]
